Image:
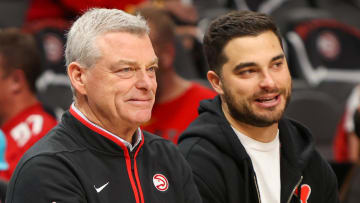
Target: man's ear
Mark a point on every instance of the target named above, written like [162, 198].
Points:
[18, 81]
[77, 76]
[215, 82]
[168, 55]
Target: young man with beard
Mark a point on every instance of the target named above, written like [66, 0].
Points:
[241, 149]
[98, 153]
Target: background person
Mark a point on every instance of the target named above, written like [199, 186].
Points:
[177, 99]
[23, 119]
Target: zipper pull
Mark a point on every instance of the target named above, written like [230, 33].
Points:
[296, 186]
[257, 188]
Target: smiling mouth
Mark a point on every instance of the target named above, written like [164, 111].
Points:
[140, 102]
[267, 99]
[139, 99]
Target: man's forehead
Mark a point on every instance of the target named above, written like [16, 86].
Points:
[253, 46]
[125, 42]
[120, 62]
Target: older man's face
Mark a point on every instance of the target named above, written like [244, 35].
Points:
[121, 87]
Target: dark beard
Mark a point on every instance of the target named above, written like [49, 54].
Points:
[246, 115]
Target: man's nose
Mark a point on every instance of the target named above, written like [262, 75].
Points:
[144, 80]
[267, 81]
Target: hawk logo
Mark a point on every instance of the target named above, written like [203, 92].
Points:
[160, 182]
[304, 193]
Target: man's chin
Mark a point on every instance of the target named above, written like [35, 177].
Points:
[265, 122]
[142, 117]
[268, 120]
[259, 119]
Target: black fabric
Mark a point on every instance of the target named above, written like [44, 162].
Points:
[3, 188]
[223, 170]
[71, 160]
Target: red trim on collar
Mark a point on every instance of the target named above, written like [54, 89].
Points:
[136, 170]
[126, 153]
[98, 130]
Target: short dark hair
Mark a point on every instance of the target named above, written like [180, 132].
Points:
[232, 25]
[162, 22]
[18, 50]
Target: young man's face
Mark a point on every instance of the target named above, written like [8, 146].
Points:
[255, 82]
[121, 86]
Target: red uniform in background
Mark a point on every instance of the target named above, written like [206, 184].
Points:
[22, 131]
[42, 9]
[346, 147]
[170, 119]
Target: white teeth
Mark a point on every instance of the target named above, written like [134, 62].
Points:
[266, 99]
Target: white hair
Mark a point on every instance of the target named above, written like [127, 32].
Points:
[80, 45]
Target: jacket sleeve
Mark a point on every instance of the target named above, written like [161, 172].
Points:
[206, 176]
[190, 189]
[44, 179]
[332, 192]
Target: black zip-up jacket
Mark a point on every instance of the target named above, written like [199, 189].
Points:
[223, 170]
[78, 162]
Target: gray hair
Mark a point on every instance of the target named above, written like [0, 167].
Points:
[80, 45]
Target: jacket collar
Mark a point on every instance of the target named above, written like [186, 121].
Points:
[82, 118]
[93, 136]
[296, 141]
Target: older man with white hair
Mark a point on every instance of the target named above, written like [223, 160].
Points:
[98, 153]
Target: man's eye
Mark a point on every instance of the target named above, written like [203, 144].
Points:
[152, 69]
[128, 69]
[246, 72]
[126, 72]
[278, 64]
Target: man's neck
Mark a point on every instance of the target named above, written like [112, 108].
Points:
[124, 131]
[261, 134]
[171, 86]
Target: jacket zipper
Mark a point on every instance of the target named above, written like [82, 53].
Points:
[130, 169]
[296, 186]
[257, 188]
[132, 162]
[135, 173]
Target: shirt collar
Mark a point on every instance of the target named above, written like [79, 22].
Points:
[249, 142]
[126, 143]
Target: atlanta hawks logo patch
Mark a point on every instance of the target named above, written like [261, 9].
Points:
[160, 182]
[305, 192]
